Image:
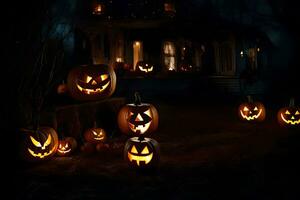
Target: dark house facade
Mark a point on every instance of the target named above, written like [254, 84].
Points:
[173, 37]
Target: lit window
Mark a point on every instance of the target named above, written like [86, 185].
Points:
[98, 9]
[169, 7]
[169, 56]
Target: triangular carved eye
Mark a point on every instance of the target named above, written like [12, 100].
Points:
[147, 112]
[88, 79]
[287, 112]
[133, 150]
[255, 109]
[297, 113]
[245, 109]
[145, 150]
[104, 77]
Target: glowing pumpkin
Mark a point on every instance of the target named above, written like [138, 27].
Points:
[141, 152]
[66, 146]
[38, 144]
[144, 67]
[289, 116]
[91, 82]
[252, 111]
[95, 135]
[138, 118]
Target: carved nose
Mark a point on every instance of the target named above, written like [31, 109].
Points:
[250, 112]
[293, 117]
[138, 118]
[94, 82]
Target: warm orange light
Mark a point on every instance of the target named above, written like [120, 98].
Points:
[118, 59]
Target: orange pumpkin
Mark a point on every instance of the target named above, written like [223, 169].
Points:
[252, 111]
[141, 152]
[95, 135]
[91, 82]
[289, 116]
[138, 118]
[66, 146]
[40, 144]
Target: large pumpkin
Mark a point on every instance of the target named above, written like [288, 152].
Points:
[138, 118]
[66, 146]
[91, 82]
[289, 116]
[140, 152]
[38, 144]
[252, 111]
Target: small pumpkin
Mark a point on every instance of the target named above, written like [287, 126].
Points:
[138, 118]
[91, 82]
[95, 135]
[140, 152]
[62, 88]
[144, 67]
[39, 144]
[252, 111]
[66, 146]
[289, 116]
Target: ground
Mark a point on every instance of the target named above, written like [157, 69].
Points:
[206, 153]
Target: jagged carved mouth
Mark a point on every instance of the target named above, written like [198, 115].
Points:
[140, 158]
[251, 117]
[94, 90]
[150, 69]
[289, 121]
[41, 155]
[142, 128]
[63, 151]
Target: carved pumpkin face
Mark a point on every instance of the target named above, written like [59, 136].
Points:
[40, 144]
[91, 82]
[141, 153]
[252, 111]
[138, 119]
[144, 67]
[289, 116]
[95, 135]
[66, 146]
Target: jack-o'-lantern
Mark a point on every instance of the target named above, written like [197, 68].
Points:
[95, 135]
[138, 118]
[252, 111]
[141, 152]
[289, 116]
[91, 82]
[66, 146]
[38, 144]
[144, 67]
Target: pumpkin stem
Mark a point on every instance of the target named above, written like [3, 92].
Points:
[141, 138]
[292, 102]
[137, 99]
[95, 124]
[250, 99]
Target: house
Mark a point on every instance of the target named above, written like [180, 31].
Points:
[175, 38]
